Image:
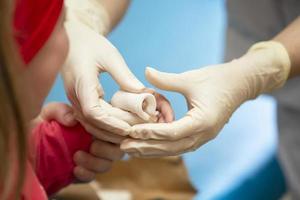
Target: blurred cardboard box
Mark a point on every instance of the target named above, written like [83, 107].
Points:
[137, 179]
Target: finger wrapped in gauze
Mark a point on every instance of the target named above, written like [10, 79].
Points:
[143, 104]
[128, 117]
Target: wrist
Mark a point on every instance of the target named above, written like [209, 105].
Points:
[90, 13]
[266, 67]
[277, 55]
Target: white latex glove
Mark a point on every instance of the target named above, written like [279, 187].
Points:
[213, 94]
[91, 54]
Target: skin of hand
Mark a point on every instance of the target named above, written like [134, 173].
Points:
[213, 93]
[102, 154]
[163, 106]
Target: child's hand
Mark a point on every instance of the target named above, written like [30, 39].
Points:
[102, 154]
[166, 113]
[99, 160]
[59, 112]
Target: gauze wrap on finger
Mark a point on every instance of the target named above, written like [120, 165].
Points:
[143, 104]
[128, 117]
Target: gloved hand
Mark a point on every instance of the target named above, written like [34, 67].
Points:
[91, 54]
[213, 94]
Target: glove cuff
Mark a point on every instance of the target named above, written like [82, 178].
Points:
[91, 13]
[277, 63]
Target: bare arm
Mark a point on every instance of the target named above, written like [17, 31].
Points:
[289, 37]
[115, 9]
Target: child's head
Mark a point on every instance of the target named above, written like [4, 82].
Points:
[23, 88]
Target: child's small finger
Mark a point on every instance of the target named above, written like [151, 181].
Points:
[168, 114]
[91, 162]
[166, 111]
[106, 150]
[83, 174]
[161, 120]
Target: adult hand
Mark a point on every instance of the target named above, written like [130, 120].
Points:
[213, 94]
[91, 54]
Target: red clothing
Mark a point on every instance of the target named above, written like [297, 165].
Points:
[53, 148]
[34, 21]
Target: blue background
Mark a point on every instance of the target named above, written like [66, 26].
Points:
[175, 36]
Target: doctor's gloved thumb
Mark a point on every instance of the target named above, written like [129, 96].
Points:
[163, 80]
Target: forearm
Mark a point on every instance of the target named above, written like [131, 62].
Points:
[115, 10]
[289, 37]
[99, 15]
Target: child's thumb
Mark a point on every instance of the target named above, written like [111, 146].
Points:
[59, 112]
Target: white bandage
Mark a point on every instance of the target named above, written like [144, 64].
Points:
[143, 105]
[90, 13]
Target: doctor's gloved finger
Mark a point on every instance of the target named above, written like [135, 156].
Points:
[103, 134]
[116, 66]
[99, 117]
[176, 130]
[88, 92]
[163, 80]
[154, 148]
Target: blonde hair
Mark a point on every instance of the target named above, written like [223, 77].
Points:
[12, 126]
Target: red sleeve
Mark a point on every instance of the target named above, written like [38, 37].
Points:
[55, 146]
